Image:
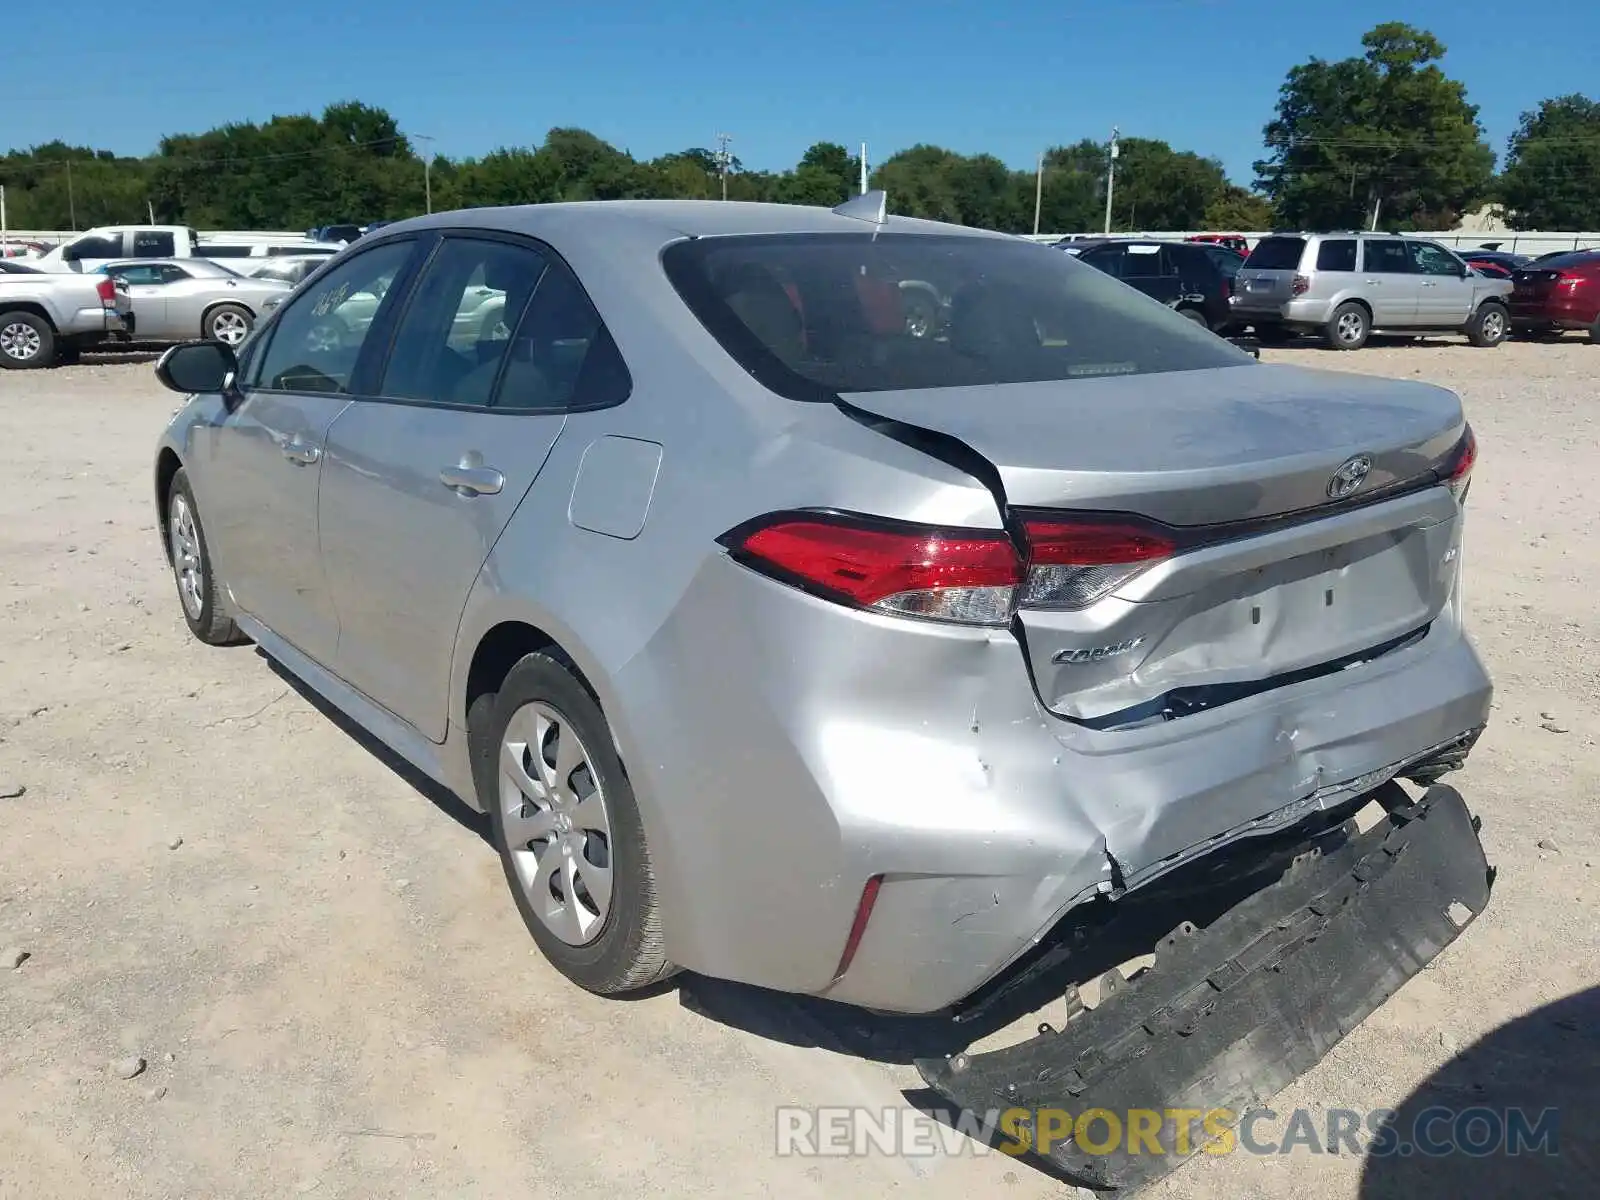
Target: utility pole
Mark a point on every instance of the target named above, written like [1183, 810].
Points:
[1038, 195]
[1111, 176]
[427, 170]
[723, 158]
[863, 168]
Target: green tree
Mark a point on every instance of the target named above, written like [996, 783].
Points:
[1552, 174]
[1234, 209]
[1388, 132]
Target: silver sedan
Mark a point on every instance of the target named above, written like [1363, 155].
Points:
[176, 300]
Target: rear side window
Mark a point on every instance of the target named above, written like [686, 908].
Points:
[153, 244]
[1338, 254]
[1387, 256]
[98, 247]
[1277, 254]
[814, 315]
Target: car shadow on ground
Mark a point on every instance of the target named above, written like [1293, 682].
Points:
[435, 793]
[120, 355]
[1506, 1117]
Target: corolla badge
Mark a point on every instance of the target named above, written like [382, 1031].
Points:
[1352, 473]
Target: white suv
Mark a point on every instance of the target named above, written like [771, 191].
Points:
[1346, 286]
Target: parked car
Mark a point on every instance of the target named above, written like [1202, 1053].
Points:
[290, 269]
[93, 249]
[1181, 275]
[1345, 286]
[787, 648]
[1233, 241]
[11, 266]
[342, 234]
[1497, 263]
[48, 317]
[1557, 294]
[178, 300]
[230, 252]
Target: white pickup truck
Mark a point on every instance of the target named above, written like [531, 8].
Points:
[46, 318]
[88, 252]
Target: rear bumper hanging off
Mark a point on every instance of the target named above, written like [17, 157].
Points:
[1229, 1015]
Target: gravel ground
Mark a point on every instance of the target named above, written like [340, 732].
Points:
[260, 963]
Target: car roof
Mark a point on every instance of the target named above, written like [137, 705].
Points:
[670, 220]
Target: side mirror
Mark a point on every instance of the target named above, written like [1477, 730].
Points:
[199, 367]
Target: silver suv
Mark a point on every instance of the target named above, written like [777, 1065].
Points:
[1345, 286]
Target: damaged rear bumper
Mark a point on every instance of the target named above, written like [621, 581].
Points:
[1228, 1016]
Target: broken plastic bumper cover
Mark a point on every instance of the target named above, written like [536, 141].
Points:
[1228, 1016]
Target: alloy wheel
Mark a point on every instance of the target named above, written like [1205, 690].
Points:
[19, 341]
[557, 827]
[1494, 326]
[1350, 327]
[230, 328]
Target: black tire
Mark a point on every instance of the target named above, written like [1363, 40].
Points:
[210, 622]
[922, 315]
[1195, 315]
[628, 953]
[27, 341]
[1271, 335]
[1594, 333]
[330, 332]
[1489, 326]
[232, 315]
[1349, 327]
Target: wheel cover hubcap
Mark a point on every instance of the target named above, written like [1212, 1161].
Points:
[188, 562]
[19, 341]
[1493, 324]
[557, 826]
[1350, 327]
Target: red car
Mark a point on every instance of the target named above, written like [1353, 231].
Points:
[1558, 294]
[1232, 241]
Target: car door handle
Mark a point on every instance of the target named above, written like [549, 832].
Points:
[1372, 282]
[1429, 283]
[472, 481]
[304, 453]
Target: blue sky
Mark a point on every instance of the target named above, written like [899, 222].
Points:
[1005, 77]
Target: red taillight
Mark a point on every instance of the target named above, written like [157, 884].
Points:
[965, 576]
[858, 927]
[107, 288]
[969, 576]
[1458, 474]
[1300, 286]
[1073, 564]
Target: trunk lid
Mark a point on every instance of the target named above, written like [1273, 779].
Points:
[1231, 610]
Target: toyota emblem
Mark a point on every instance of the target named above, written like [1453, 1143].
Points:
[1352, 473]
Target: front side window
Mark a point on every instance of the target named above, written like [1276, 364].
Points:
[1429, 259]
[318, 338]
[97, 247]
[813, 315]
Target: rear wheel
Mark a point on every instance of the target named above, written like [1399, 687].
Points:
[1195, 315]
[229, 324]
[26, 341]
[569, 832]
[1488, 326]
[1349, 327]
[1594, 333]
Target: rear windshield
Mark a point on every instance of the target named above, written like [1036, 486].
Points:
[1276, 254]
[1572, 258]
[812, 315]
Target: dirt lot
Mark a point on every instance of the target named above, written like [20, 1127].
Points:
[333, 994]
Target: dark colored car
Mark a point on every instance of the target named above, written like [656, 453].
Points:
[1233, 241]
[1182, 275]
[1555, 294]
[1499, 263]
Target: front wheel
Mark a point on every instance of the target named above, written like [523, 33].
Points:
[203, 608]
[26, 341]
[1195, 315]
[1348, 328]
[1489, 326]
[569, 833]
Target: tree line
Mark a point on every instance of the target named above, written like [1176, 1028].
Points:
[1384, 137]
